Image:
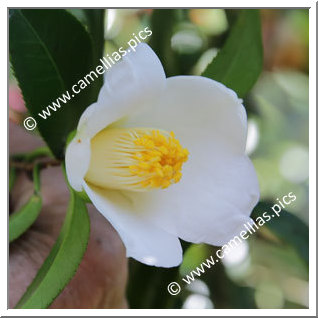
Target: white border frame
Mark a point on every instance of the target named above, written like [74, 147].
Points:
[312, 161]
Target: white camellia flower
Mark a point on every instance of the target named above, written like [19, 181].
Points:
[132, 144]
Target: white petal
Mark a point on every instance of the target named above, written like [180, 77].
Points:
[131, 84]
[197, 109]
[77, 158]
[143, 241]
[210, 206]
[219, 186]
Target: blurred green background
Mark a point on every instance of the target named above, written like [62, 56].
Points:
[265, 271]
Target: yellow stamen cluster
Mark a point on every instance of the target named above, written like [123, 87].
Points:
[159, 160]
[136, 159]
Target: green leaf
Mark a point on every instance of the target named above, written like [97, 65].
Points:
[147, 282]
[50, 51]
[95, 23]
[287, 227]
[240, 61]
[162, 25]
[21, 220]
[63, 260]
[36, 178]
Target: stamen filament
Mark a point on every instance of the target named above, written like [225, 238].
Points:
[136, 159]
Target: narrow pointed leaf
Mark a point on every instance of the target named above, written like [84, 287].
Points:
[95, 24]
[50, 51]
[162, 24]
[240, 61]
[21, 220]
[63, 260]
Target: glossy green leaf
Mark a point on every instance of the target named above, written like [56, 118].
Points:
[50, 51]
[162, 24]
[21, 220]
[95, 23]
[63, 260]
[287, 227]
[240, 61]
[36, 178]
[147, 282]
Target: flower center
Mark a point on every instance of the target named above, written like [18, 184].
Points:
[137, 159]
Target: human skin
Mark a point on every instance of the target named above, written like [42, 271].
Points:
[101, 278]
